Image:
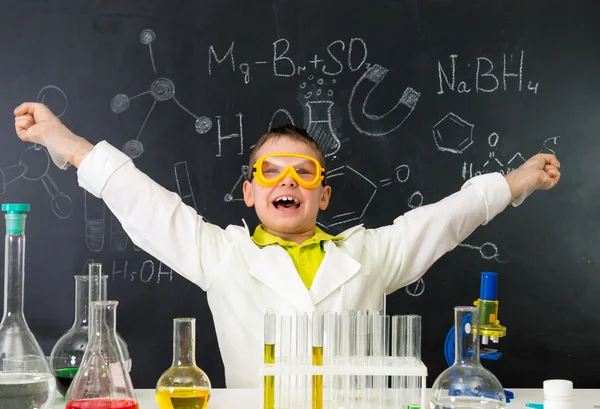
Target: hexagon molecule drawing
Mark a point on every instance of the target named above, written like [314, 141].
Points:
[453, 134]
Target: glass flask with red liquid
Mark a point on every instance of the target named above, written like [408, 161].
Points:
[68, 351]
[102, 381]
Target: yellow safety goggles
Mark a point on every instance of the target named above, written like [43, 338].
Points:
[269, 170]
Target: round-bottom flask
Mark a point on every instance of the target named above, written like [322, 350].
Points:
[68, 351]
[183, 385]
[467, 384]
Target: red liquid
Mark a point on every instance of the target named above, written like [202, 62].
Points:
[102, 404]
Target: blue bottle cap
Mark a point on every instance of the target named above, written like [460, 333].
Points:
[489, 286]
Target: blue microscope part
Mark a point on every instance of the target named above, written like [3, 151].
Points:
[489, 286]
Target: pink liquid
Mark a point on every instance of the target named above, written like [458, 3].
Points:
[102, 404]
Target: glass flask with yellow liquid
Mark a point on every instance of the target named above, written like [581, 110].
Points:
[183, 385]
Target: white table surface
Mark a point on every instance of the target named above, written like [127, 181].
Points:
[250, 398]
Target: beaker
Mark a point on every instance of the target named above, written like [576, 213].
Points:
[102, 381]
[183, 385]
[26, 381]
[467, 384]
[68, 351]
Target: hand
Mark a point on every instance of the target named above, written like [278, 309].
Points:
[36, 123]
[540, 172]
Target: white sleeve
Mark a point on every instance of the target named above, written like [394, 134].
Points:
[155, 219]
[407, 248]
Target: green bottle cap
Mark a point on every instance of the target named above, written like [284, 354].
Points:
[15, 217]
[13, 208]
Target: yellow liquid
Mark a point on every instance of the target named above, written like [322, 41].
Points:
[317, 381]
[269, 386]
[182, 398]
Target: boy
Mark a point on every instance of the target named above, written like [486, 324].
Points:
[288, 265]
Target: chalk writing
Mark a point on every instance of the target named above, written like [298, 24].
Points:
[233, 195]
[149, 271]
[487, 251]
[239, 134]
[416, 289]
[54, 98]
[372, 124]
[453, 134]
[486, 78]
[493, 163]
[34, 165]
[162, 89]
[337, 56]
[346, 177]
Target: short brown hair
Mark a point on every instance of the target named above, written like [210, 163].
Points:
[290, 131]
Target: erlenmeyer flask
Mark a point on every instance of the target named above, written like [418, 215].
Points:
[68, 351]
[183, 385]
[102, 381]
[467, 384]
[25, 378]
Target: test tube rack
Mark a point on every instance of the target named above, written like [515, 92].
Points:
[355, 362]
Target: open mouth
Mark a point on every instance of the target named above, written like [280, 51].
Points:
[286, 202]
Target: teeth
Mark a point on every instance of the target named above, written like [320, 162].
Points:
[288, 198]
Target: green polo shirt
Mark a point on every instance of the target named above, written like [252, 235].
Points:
[307, 257]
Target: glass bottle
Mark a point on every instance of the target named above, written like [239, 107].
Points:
[102, 381]
[25, 378]
[68, 351]
[183, 385]
[467, 384]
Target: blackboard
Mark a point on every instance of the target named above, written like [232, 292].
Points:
[409, 99]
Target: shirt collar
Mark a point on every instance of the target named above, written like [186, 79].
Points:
[263, 238]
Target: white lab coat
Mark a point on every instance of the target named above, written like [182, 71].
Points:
[243, 280]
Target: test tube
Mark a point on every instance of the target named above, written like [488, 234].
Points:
[386, 396]
[372, 360]
[398, 345]
[361, 355]
[269, 358]
[301, 337]
[285, 358]
[413, 356]
[96, 291]
[301, 393]
[346, 341]
[377, 356]
[329, 353]
[317, 359]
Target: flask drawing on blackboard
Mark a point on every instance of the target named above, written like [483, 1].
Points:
[320, 127]
[25, 378]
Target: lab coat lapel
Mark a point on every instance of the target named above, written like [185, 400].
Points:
[336, 269]
[275, 269]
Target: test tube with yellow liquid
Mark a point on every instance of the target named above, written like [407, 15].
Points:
[285, 358]
[301, 359]
[269, 358]
[317, 360]
[183, 385]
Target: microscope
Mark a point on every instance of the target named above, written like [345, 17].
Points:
[489, 324]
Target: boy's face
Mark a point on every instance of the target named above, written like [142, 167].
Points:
[275, 216]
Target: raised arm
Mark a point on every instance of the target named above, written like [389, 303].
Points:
[409, 246]
[155, 219]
